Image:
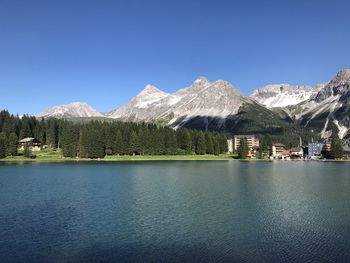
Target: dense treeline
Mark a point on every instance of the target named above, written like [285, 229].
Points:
[95, 139]
[337, 150]
[257, 120]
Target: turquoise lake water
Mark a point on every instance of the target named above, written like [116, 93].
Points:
[175, 211]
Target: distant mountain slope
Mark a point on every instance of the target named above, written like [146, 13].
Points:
[146, 106]
[282, 95]
[219, 106]
[72, 110]
[329, 110]
[216, 106]
[201, 99]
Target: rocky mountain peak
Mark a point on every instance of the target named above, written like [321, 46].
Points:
[201, 81]
[225, 85]
[74, 109]
[149, 89]
[78, 104]
[282, 95]
[341, 78]
[338, 86]
[344, 73]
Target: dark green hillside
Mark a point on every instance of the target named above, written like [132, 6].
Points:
[254, 118]
[317, 123]
[258, 120]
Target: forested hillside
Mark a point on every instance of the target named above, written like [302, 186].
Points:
[95, 139]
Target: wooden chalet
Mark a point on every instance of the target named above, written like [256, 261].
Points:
[34, 144]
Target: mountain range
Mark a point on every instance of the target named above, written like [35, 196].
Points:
[321, 110]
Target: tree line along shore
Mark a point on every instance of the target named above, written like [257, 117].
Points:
[68, 140]
[97, 139]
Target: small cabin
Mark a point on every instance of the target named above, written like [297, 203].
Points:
[34, 144]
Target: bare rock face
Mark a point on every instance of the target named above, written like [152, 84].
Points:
[329, 107]
[282, 95]
[75, 109]
[324, 108]
[146, 104]
[338, 86]
[201, 98]
[213, 105]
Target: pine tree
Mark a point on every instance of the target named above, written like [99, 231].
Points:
[13, 144]
[52, 133]
[170, 141]
[223, 143]
[97, 141]
[82, 141]
[184, 140]
[216, 145]
[3, 145]
[134, 146]
[243, 149]
[268, 141]
[118, 144]
[126, 139]
[4, 115]
[39, 132]
[200, 143]
[336, 147]
[91, 141]
[27, 151]
[69, 140]
[25, 130]
[8, 124]
[264, 151]
[209, 143]
[108, 138]
[157, 139]
[145, 140]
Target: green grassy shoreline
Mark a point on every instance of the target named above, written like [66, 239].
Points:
[57, 157]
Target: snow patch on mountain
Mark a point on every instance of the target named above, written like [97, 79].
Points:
[282, 95]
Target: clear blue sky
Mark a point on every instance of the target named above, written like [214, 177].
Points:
[105, 52]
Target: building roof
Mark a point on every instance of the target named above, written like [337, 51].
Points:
[296, 149]
[279, 144]
[28, 139]
[315, 143]
[244, 135]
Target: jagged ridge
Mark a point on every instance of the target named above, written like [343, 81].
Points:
[219, 106]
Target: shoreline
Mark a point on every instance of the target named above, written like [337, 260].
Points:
[138, 158]
[145, 158]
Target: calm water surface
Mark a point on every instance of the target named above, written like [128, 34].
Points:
[215, 211]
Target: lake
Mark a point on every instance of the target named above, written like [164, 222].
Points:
[175, 211]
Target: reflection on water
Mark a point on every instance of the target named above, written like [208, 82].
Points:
[226, 211]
